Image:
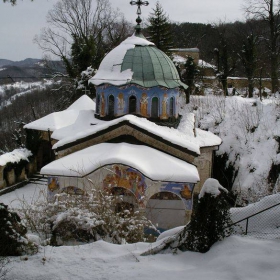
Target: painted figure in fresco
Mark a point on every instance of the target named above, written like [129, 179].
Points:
[102, 111]
[186, 193]
[53, 184]
[121, 103]
[164, 106]
[144, 105]
[127, 178]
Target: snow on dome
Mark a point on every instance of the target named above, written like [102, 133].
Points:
[15, 156]
[211, 186]
[170, 134]
[159, 167]
[64, 118]
[110, 67]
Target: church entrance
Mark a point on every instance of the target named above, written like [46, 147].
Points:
[167, 210]
[45, 154]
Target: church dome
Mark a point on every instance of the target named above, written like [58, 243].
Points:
[137, 78]
[137, 61]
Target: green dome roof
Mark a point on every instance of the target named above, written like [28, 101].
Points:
[151, 67]
[138, 61]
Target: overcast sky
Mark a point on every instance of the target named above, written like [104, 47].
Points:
[19, 24]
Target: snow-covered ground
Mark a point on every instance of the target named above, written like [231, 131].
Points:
[24, 88]
[234, 258]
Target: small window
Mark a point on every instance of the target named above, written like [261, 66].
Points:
[132, 105]
[154, 112]
[171, 108]
[97, 104]
[111, 109]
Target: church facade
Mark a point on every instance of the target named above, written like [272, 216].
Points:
[134, 142]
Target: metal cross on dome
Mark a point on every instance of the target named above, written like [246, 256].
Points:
[139, 3]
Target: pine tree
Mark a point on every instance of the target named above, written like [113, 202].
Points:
[210, 222]
[188, 75]
[159, 29]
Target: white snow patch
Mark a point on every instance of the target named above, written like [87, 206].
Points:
[110, 67]
[172, 135]
[159, 167]
[212, 187]
[64, 118]
[15, 156]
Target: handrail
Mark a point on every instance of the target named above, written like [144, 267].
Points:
[255, 214]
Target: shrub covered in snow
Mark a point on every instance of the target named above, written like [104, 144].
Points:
[12, 232]
[248, 158]
[86, 218]
[210, 221]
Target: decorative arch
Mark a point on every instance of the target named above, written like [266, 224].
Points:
[166, 209]
[155, 107]
[132, 104]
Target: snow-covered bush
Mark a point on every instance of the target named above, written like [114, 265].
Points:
[85, 218]
[250, 131]
[13, 241]
[210, 221]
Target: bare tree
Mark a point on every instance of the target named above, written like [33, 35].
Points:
[89, 21]
[269, 12]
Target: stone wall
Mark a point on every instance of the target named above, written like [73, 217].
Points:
[11, 179]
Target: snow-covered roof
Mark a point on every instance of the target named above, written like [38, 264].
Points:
[15, 156]
[202, 138]
[184, 139]
[159, 167]
[64, 118]
[204, 64]
[137, 61]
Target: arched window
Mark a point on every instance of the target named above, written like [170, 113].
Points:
[97, 103]
[111, 106]
[132, 105]
[154, 111]
[171, 107]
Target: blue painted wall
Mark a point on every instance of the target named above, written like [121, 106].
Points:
[144, 97]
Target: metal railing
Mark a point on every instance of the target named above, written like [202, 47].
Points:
[261, 221]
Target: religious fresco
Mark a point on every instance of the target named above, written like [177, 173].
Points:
[183, 190]
[143, 97]
[53, 188]
[127, 178]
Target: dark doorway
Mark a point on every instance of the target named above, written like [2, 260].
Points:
[132, 105]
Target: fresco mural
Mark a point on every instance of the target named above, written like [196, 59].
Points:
[183, 190]
[53, 188]
[143, 97]
[127, 178]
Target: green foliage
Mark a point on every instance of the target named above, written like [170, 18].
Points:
[189, 74]
[12, 232]
[248, 57]
[83, 54]
[209, 223]
[159, 29]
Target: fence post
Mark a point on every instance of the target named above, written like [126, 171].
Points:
[247, 221]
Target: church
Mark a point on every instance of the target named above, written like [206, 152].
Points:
[134, 139]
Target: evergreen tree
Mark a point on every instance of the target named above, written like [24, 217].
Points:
[159, 29]
[248, 57]
[12, 232]
[210, 218]
[188, 75]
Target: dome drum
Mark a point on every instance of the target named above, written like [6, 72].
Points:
[157, 103]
